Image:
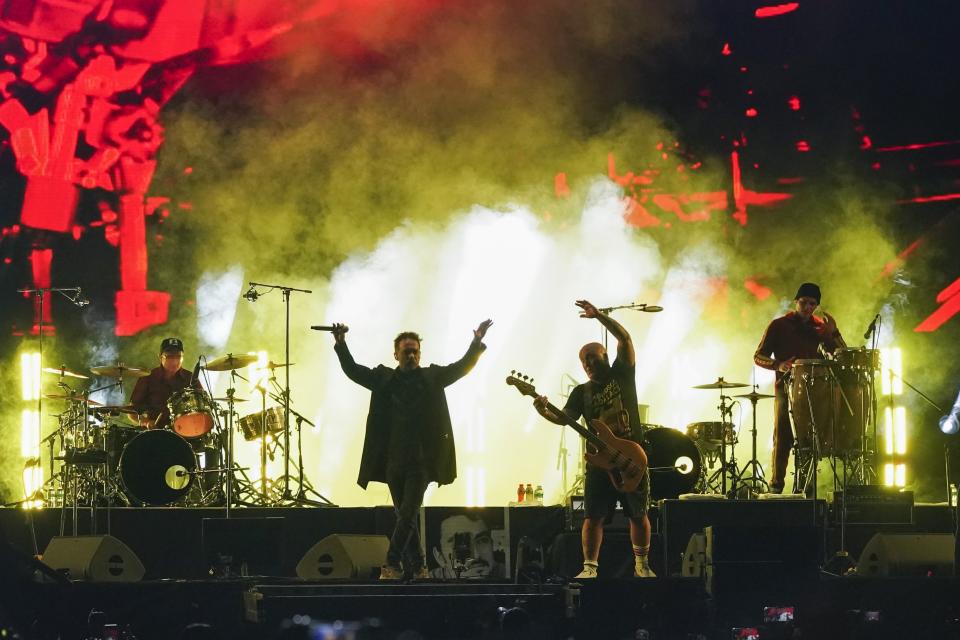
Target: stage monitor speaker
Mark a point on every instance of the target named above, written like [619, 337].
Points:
[93, 558]
[344, 555]
[907, 554]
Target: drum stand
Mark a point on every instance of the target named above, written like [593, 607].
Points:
[751, 475]
[806, 471]
[727, 467]
[304, 488]
[231, 466]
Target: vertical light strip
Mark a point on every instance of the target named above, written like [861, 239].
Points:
[901, 475]
[900, 430]
[888, 431]
[29, 434]
[30, 376]
[888, 478]
[30, 427]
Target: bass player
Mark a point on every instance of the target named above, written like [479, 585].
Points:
[610, 395]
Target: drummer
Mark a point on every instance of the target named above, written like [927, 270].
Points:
[151, 393]
[797, 335]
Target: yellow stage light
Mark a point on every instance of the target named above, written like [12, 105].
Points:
[888, 478]
[30, 375]
[29, 433]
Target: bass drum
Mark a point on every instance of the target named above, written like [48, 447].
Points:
[679, 461]
[156, 467]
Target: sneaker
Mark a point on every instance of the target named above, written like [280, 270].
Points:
[422, 574]
[646, 572]
[388, 572]
[589, 571]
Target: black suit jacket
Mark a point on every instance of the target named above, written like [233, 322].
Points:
[439, 451]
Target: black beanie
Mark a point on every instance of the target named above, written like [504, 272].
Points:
[808, 290]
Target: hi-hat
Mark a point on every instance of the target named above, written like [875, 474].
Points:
[230, 362]
[70, 396]
[63, 371]
[754, 396]
[119, 371]
[721, 384]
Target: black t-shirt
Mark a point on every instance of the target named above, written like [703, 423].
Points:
[407, 397]
[613, 401]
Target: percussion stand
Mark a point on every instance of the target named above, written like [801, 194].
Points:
[755, 480]
[810, 473]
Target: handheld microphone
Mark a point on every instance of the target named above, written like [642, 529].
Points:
[652, 308]
[327, 327]
[872, 327]
[251, 294]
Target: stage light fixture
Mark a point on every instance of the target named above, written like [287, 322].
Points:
[950, 423]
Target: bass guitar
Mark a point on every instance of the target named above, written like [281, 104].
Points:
[624, 460]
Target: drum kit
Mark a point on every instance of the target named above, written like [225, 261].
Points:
[108, 459]
[680, 461]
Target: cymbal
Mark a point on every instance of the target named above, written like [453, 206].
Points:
[63, 371]
[230, 362]
[69, 396]
[235, 399]
[721, 384]
[754, 396]
[117, 408]
[274, 365]
[119, 371]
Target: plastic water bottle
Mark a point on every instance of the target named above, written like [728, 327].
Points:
[538, 495]
[520, 493]
[528, 494]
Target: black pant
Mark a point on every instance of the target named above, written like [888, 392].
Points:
[407, 487]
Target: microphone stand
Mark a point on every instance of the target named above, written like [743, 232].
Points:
[286, 291]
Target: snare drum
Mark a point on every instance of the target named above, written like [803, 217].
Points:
[191, 412]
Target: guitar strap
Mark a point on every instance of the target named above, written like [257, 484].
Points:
[588, 403]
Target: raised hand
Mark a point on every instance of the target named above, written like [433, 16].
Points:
[339, 330]
[830, 324]
[481, 331]
[587, 310]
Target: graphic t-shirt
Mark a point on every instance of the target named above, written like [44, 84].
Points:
[613, 401]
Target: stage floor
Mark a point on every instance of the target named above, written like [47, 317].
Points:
[178, 589]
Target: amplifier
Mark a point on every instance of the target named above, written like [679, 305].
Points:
[874, 504]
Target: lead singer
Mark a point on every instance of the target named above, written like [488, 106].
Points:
[409, 439]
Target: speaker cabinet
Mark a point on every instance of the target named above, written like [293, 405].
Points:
[93, 558]
[344, 555]
[907, 554]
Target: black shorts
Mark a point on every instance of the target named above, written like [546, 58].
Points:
[600, 497]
